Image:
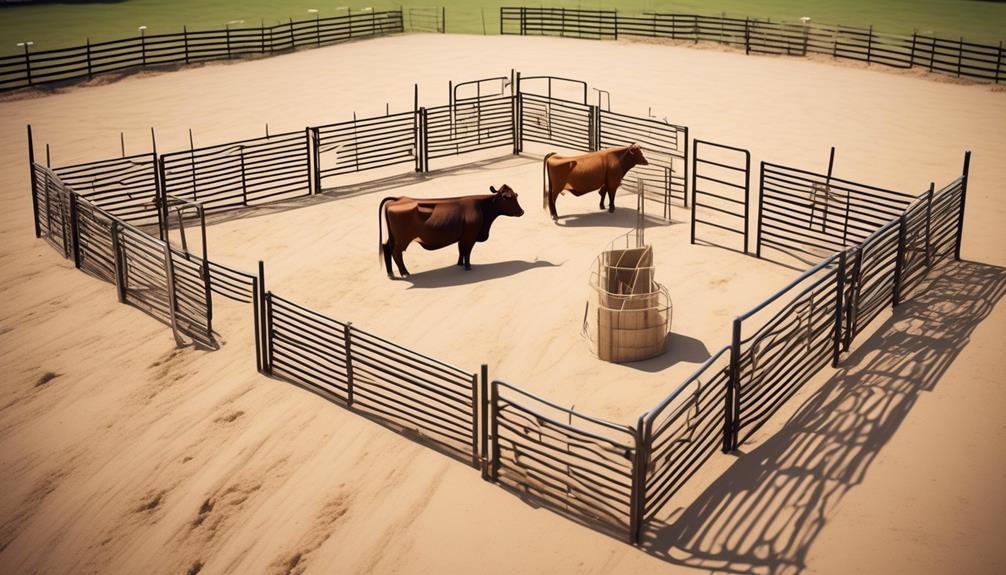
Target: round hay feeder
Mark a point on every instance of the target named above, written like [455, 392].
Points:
[628, 313]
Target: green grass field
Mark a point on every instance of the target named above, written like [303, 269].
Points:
[55, 25]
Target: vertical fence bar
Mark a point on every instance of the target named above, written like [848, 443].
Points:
[852, 317]
[929, 216]
[685, 175]
[268, 332]
[169, 272]
[89, 75]
[999, 60]
[185, 41]
[899, 264]
[494, 462]
[162, 198]
[118, 260]
[74, 230]
[34, 182]
[484, 419]
[836, 350]
[911, 56]
[638, 493]
[964, 195]
[256, 316]
[733, 389]
[695, 170]
[960, 55]
[476, 463]
[761, 199]
[869, 47]
[347, 338]
[263, 334]
[316, 157]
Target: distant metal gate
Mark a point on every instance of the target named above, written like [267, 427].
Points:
[721, 177]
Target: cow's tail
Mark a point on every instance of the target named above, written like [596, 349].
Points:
[546, 181]
[381, 217]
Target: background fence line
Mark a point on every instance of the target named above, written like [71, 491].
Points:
[956, 57]
[80, 62]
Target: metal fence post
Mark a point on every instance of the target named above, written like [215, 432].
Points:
[162, 198]
[733, 389]
[316, 157]
[257, 319]
[761, 199]
[268, 332]
[89, 58]
[169, 272]
[869, 47]
[476, 461]
[685, 174]
[347, 337]
[640, 460]
[484, 420]
[119, 261]
[74, 229]
[999, 60]
[34, 182]
[960, 55]
[852, 316]
[494, 461]
[964, 196]
[911, 57]
[185, 41]
[899, 264]
[929, 216]
[839, 305]
[263, 323]
[695, 154]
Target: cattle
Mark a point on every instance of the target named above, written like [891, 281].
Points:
[439, 222]
[602, 170]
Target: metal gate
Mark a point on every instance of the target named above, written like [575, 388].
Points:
[720, 189]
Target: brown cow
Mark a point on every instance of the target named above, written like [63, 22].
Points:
[602, 170]
[440, 222]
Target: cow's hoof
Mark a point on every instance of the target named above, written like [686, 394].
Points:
[391, 276]
[611, 210]
[468, 268]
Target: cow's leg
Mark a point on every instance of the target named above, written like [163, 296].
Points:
[386, 247]
[397, 251]
[611, 199]
[461, 254]
[602, 191]
[553, 193]
[465, 247]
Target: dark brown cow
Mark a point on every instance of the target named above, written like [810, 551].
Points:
[602, 170]
[439, 222]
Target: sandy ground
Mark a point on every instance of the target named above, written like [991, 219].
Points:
[137, 457]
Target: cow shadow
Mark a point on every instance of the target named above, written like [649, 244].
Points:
[624, 218]
[766, 511]
[455, 275]
[678, 348]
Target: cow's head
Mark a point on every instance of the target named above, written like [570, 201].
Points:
[505, 200]
[636, 155]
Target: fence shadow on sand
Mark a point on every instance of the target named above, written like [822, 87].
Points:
[765, 512]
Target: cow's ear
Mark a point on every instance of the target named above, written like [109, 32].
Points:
[492, 189]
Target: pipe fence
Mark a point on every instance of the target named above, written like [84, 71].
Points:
[801, 212]
[410, 392]
[614, 476]
[124, 187]
[955, 57]
[83, 62]
[240, 174]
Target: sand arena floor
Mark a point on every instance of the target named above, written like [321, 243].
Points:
[138, 457]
